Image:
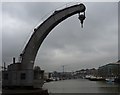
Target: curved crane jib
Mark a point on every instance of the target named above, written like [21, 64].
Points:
[40, 33]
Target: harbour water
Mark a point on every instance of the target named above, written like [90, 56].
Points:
[81, 86]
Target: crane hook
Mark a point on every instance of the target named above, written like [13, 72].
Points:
[81, 18]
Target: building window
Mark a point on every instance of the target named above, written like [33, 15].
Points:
[5, 76]
[23, 76]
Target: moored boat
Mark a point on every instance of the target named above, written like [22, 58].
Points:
[111, 79]
[93, 78]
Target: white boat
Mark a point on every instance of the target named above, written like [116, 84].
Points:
[87, 76]
[111, 79]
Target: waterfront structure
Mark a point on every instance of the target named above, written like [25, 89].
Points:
[80, 73]
[86, 72]
[21, 73]
[61, 75]
[47, 75]
[109, 70]
[13, 76]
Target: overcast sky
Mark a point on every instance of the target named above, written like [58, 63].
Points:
[67, 44]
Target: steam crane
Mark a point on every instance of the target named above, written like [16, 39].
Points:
[21, 73]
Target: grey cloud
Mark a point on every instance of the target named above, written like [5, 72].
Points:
[67, 44]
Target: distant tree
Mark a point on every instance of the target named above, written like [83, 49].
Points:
[37, 72]
[37, 68]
